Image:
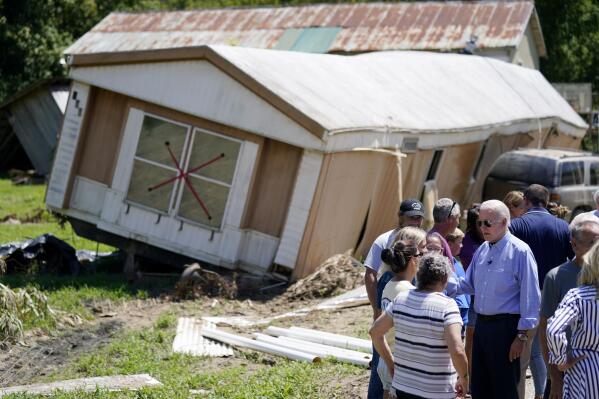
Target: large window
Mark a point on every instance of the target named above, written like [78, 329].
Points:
[183, 171]
[572, 173]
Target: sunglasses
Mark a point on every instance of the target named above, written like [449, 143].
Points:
[451, 209]
[486, 223]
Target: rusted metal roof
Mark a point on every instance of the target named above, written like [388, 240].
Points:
[438, 26]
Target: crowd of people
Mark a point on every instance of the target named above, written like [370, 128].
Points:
[466, 313]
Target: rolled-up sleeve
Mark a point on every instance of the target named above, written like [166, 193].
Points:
[565, 315]
[462, 285]
[530, 294]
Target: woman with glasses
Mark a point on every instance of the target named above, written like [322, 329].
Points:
[428, 360]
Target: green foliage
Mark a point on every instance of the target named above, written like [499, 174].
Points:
[21, 306]
[81, 294]
[571, 31]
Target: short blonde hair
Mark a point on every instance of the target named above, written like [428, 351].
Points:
[513, 198]
[455, 235]
[589, 275]
[411, 234]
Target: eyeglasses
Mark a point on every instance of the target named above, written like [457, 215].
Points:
[418, 255]
[434, 249]
[486, 223]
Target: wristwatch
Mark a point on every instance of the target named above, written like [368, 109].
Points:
[522, 336]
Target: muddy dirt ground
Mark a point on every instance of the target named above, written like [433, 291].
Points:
[44, 355]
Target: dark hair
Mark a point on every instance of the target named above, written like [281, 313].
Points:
[399, 255]
[537, 195]
[471, 219]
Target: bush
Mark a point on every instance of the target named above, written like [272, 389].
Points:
[18, 307]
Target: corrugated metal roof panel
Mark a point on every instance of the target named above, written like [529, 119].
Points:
[364, 27]
[189, 339]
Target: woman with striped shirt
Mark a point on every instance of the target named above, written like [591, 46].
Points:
[573, 333]
[428, 342]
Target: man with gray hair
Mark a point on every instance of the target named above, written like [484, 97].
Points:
[503, 277]
[446, 216]
[584, 232]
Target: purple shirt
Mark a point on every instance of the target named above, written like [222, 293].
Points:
[503, 277]
[469, 245]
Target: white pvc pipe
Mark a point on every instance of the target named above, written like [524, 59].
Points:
[322, 337]
[342, 351]
[360, 358]
[239, 341]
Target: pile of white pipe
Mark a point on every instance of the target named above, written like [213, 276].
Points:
[322, 337]
[339, 354]
[300, 344]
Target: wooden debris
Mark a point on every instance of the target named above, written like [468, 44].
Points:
[112, 383]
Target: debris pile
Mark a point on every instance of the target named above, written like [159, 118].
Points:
[43, 254]
[196, 282]
[336, 275]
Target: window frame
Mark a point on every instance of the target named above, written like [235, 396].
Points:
[176, 215]
[561, 171]
[176, 195]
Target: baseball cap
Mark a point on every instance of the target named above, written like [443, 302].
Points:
[411, 207]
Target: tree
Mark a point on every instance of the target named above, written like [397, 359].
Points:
[571, 31]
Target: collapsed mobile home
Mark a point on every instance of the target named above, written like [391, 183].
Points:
[248, 158]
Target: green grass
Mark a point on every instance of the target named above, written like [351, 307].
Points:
[149, 351]
[77, 295]
[20, 232]
[25, 201]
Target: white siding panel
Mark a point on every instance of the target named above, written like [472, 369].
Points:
[299, 209]
[258, 250]
[88, 195]
[67, 145]
[199, 88]
[124, 166]
[113, 202]
[230, 241]
[241, 184]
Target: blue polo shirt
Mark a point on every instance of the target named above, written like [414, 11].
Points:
[547, 236]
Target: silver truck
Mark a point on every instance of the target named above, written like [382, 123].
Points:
[571, 176]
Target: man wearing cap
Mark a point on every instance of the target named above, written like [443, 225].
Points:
[411, 213]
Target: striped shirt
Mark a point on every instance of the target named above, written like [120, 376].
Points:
[580, 310]
[423, 365]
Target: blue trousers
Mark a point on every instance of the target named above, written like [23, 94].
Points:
[537, 366]
[375, 386]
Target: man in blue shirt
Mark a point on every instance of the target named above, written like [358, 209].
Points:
[503, 277]
[549, 239]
